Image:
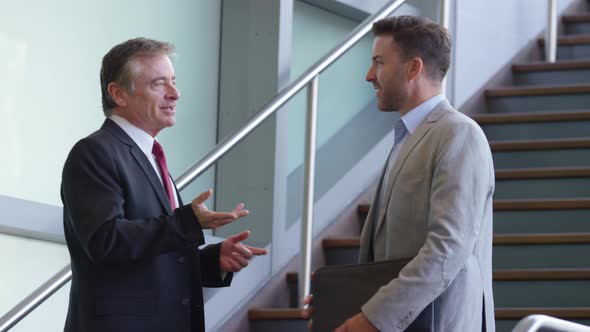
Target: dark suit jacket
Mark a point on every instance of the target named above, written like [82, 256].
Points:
[136, 265]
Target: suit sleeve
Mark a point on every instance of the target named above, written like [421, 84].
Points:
[94, 201]
[462, 184]
[209, 267]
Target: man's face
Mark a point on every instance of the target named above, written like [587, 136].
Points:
[152, 104]
[388, 74]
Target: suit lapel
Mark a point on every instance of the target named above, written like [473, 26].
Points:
[405, 149]
[150, 173]
[142, 161]
[176, 192]
[366, 253]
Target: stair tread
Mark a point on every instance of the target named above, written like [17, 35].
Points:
[348, 242]
[522, 204]
[563, 313]
[514, 274]
[537, 90]
[568, 40]
[540, 144]
[542, 274]
[499, 239]
[577, 18]
[525, 117]
[275, 314]
[501, 313]
[550, 66]
[542, 238]
[542, 173]
[541, 204]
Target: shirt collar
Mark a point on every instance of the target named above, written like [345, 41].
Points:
[415, 116]
[144, 140]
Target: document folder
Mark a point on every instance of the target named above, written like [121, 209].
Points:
[340, 291]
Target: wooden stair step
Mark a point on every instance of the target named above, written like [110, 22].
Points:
[536, 90]
[577, 18]
[542, 173]
[501, 313]
[542, 238]
[351, 242]
[499, 239]
[526, 117]
[542, 274]
[521, 204]
[550, 66]
[363, 209]
[544, 144]
[568, 40]
[513, 274]
[275, 314]
[562, 313]
[541, 204]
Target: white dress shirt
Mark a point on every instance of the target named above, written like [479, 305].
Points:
[145, 142]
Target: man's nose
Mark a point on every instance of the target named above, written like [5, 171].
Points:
[173, 92]
[370, 76]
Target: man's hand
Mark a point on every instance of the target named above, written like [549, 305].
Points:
[358, 323]
[211, 219]
[234, 255]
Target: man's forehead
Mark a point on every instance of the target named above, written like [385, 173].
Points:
[384, 41]
[152, 65]
[383, 45]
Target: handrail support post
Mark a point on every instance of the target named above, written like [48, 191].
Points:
[551, 33]
[307, 215]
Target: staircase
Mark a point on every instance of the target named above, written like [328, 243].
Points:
[539, 132]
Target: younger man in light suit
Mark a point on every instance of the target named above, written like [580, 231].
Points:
[434, 198]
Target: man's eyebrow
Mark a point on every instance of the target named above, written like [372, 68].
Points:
[162, 78]
[377, 57]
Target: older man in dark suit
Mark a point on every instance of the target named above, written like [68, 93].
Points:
[134, 246]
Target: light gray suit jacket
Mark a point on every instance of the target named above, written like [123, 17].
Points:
[439, 211]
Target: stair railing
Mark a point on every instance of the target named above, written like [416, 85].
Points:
[551, 32]
[540, 323]
[308, 79]
[37, 297]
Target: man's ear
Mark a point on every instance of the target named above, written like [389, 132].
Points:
[118, 93]
[415, 68]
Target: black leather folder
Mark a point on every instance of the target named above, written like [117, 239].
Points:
[340, 291]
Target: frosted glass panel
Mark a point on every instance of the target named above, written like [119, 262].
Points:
[49, 316]
[343, 91]
[50, 54]
[26, 264]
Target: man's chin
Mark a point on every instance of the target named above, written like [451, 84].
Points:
[171, 122]
[386, 109]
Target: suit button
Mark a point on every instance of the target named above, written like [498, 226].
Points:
[181, 259]
[185, 301]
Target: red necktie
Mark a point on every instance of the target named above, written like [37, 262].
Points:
[161, 160]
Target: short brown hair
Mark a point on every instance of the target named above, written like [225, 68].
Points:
[116, 65]
[419, 37]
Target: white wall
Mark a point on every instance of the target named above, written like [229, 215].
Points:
[26, 264]
[489, 34]
[50, 55]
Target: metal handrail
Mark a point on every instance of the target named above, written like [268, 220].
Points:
[35, 299]
[551, 32]
[285, 95]
[534, 323]
[311, 75]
